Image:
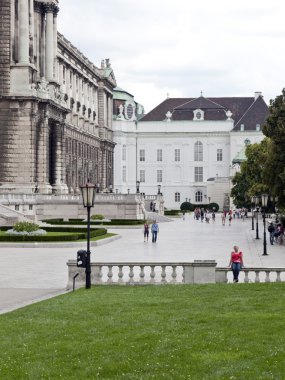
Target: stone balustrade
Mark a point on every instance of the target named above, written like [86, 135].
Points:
[149, 273]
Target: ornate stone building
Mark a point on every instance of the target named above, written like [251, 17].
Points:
[55, 105]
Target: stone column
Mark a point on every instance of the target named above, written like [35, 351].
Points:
[55, 12]
[49, 8]
[23, 52]
[37, 9]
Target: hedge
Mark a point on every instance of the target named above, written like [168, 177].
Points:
[171, 212]
[114, 222]
[187, 206]
[78, 234]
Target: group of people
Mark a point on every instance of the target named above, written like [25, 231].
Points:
[276, 233]
[204, 214]
[154, 231]
[152, 206]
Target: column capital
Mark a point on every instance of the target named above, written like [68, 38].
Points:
[49, 7]
[38, 7]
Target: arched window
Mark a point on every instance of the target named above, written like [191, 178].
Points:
[198, 196]
[198, 151]
[177, 197]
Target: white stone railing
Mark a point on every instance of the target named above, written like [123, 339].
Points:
[149, 273]
[252, 274]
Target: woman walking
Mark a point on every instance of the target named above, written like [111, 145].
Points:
[146, 231]
[236, 262]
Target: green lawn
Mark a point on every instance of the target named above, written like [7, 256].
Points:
[154, 332]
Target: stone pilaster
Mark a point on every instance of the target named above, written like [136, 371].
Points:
[101, 110]
[23, 47]
[5, 28]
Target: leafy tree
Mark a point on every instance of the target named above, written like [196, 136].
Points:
[251, 178]
[275, 130]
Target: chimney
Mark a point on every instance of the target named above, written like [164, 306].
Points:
[257, 94]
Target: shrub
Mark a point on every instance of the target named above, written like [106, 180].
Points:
[97, 217]
[186, 206]
[25, 227]
[171, 212]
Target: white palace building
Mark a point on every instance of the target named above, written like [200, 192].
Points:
[188, 148]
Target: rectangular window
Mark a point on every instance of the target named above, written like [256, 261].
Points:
[142, 155]
[198, 174]
[159, 154]
[219, 154]
[124, 152]
[17, 207]
[177, 155]
[177, 197]
[30, 207]
[142, 175]
[124, 173]
[159, 175]
[198, 151]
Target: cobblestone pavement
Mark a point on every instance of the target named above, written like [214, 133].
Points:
[30, 274]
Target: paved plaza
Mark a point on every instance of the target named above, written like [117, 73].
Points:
[30, 274]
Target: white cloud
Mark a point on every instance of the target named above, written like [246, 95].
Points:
[182, 47]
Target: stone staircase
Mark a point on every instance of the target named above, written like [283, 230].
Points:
[8, 217]
[159, 218]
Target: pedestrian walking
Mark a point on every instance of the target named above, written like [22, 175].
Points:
[223, 218]
[146, 231]
[183, 215]
[236, 262]
[271, 230]
[230, 217]
[154, 231]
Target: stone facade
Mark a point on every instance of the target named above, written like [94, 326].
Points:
[55, 106]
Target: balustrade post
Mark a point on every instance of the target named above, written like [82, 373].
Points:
[278, 276]
[120, 274]
[267, 278]
[110, 274]
[142, 274]
[163, 274]
[152, 274]
[131, 275]
[257, 279]
[246, 278]
[174, 274]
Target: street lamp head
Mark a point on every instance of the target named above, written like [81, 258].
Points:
[264, 199]
[88, 194]
[138, 186]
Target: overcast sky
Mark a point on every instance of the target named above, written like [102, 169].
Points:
[181, 47]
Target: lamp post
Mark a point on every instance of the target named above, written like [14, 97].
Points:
[252, 212]
[128, 191]
[158, 189]
[257, 211]
[88, 196]
[138, 186]
[264, 200]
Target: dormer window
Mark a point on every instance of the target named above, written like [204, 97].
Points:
[242, 127]
[198, 115]
[258, 127]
